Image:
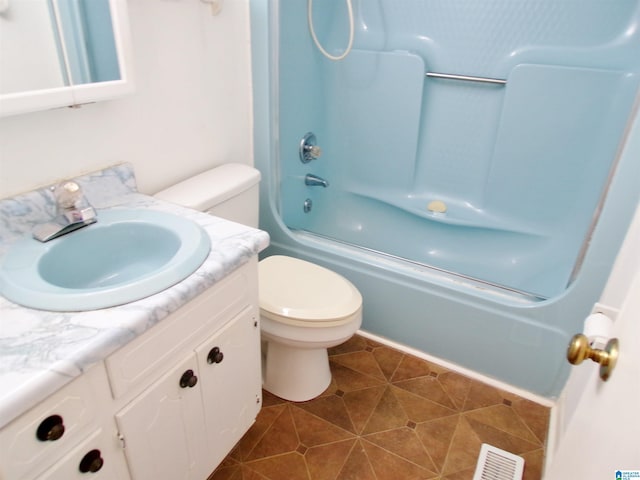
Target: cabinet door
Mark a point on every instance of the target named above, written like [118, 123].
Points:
[164, 436]
[229, 364]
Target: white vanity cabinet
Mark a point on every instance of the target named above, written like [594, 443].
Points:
[182, 426]
[189, 388]
[168, 405]
[69, 431]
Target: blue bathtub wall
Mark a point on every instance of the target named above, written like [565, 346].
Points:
[522, 167]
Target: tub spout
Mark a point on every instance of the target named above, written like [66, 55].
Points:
[315, 181]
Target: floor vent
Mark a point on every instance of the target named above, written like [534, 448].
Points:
[496, 464]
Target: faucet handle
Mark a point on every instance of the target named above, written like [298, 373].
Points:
[309, 150]
[313, 151]
[68, 195]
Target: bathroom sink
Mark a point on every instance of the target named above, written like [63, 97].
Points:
[126, 256]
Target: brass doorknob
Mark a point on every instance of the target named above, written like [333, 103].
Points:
[579, 349]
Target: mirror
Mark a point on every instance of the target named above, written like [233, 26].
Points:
[56, 53]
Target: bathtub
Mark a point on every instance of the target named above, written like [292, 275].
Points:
[479, 219]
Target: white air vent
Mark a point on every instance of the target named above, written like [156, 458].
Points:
[496, 464]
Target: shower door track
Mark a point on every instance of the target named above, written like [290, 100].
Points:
[474, 282]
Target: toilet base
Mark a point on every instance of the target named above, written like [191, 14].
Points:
[295, 374]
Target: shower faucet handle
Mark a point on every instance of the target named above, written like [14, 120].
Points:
[309, 150]
[313, 150]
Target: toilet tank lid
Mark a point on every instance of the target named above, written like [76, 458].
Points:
[212, 187]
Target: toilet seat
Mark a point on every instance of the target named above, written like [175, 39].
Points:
[300, 293]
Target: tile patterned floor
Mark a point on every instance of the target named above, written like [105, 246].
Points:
[387, 416]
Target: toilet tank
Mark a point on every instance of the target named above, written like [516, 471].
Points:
[230, 191]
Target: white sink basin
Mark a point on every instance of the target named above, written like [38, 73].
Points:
[126, 256]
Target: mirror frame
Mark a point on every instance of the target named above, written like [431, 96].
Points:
[77, 95]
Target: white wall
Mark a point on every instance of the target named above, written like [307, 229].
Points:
[191, 109]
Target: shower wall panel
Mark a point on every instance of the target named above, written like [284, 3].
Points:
[517, 170]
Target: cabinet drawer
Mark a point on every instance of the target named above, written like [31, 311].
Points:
[101, 451]
[75, 406]
[137, 364]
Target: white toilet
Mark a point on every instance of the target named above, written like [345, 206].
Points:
[304, 308]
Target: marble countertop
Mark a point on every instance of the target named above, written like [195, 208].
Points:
[41, 351]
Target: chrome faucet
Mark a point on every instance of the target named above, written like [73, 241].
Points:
[315, 181]
[73, 211]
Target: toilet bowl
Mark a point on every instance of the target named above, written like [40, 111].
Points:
[304, 308]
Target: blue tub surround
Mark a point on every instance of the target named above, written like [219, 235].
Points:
[40, 351]
[518, 165]
[479, 166]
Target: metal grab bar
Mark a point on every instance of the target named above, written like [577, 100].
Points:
[466, 78]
